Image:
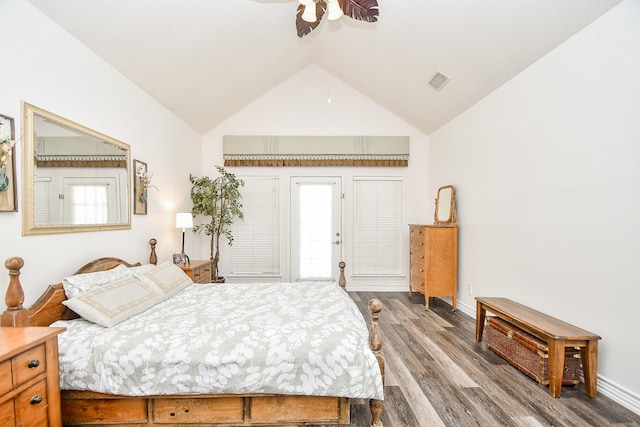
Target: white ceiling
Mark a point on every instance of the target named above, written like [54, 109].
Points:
[207, 59]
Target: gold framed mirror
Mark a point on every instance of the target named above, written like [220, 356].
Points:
[445, 212]
[75, 179]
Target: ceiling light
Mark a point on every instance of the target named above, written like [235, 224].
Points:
[333, 10]
[309, 14]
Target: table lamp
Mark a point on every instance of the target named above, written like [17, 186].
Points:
[184, 220]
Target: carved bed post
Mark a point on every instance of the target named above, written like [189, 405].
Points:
[375, 343]
[14, 315]
[342, 281]
[153, 258]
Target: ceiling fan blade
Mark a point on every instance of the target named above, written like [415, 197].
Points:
[303, 27]
[362, 10]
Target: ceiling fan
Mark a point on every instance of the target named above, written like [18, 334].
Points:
[311, 12]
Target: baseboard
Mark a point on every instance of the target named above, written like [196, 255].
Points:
[606, 387]
[377, 287]
[619, 394]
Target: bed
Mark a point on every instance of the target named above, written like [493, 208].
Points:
[269, 395]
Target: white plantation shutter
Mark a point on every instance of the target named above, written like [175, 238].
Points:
[42, 208]
[256, 240]
[377, 215]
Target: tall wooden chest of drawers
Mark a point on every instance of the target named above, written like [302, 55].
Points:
[433, 257]
[29, 378]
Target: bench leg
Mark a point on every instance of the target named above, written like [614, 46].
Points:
[589, 357]
[481, 314]
[556, 366]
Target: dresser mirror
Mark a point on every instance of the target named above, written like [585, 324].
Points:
[74, 178]
[445, 206]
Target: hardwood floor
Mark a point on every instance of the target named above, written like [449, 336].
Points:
[438, 375]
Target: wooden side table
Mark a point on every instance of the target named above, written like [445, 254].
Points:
[200, 271]
[29, 376]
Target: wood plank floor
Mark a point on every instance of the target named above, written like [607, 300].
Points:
[438, 375]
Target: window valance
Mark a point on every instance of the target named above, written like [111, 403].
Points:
[269, 150]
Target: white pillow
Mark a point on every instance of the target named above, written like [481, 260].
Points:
[80, 283]
[110, 304]
[168, 277]
[141, 268]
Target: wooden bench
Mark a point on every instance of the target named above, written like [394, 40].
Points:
[557, 334]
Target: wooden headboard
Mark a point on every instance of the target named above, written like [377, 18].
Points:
[49, 308]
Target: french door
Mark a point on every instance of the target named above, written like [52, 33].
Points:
[316, 228]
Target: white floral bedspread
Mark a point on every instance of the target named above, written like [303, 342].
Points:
[303, 339]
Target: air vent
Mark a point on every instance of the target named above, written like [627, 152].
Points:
[438, 81]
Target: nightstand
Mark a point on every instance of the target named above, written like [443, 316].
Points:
[199, 271]
[29, 378]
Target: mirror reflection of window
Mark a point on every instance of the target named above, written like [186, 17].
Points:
[89, 204]
[42, 198]
[89, 200]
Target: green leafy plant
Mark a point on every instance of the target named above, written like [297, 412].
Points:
[218, 200]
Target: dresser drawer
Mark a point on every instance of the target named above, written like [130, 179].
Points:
[28, 364]
[38, 418]
[202, 274]
[200, 271]
[417, 231]
[416, 256]
[7, 415]
[417, 283]
[417, 270]
[6, 379]
[31, 401]
[416, 244]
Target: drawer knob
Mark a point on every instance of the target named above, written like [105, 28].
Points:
[33, 364]
[36, 399]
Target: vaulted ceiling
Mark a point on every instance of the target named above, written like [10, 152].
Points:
[207, 59]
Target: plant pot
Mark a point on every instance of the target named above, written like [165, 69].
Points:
[4, 180]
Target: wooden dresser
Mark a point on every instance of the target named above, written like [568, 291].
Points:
[29, 379]
[433, 258]
[199, 271]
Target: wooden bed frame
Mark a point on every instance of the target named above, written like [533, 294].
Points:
[89, 408]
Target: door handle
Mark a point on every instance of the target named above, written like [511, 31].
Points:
[337, 242]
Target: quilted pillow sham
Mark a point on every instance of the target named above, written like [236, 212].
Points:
[80, 283]
[168, 277]
[110, 304]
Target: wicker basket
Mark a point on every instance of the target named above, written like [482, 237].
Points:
[528, 353]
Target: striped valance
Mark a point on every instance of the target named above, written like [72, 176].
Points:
[268, 150]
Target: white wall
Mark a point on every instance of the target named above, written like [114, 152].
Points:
[45, 66]
[299, 107]
[546, 175]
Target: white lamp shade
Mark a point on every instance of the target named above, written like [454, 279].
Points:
[305, 2]
[184, 220]
[309, 13]
[333, 10]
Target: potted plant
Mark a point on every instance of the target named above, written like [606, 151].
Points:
[219, 200]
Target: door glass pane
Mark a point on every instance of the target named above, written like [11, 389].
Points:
[89, 204]
[316, 240]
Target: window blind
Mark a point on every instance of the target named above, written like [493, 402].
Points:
[42, 209]
[256, 240]
[377, 226]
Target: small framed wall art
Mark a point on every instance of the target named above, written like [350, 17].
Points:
[8, 199]
[140, 178]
